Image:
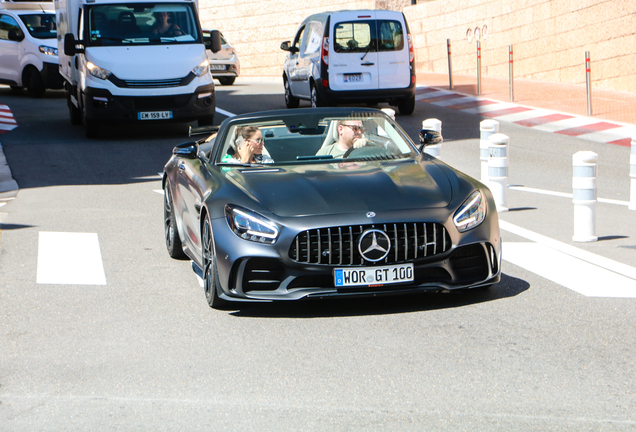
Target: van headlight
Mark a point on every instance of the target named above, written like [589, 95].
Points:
[202, 69]
[98, 72]
[47, 50]
[251, 226]
[471, 213]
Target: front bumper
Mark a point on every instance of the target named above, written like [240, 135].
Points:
[102, 106]
[394, 96]
[257, 272]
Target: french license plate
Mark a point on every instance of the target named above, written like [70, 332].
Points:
[217, 67]
[154, 115]
[353, 78]
[373, 275]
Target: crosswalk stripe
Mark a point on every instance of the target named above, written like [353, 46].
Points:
[69, 259]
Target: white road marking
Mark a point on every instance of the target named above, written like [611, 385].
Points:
[225, 113]
[565, 195]
[69, 259]
[568, 271]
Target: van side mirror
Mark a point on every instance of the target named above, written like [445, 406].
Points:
[429, 137]
[286, 46]
[213, 42]
[16, 36]
[70, 45]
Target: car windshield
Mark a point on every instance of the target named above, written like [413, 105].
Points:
[294, 139]
[141, 23]
[40, 25]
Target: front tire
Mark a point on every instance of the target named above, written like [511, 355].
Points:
[173, 241]
[74, 112]
[210, 275]
[290, 100]
[35, 86]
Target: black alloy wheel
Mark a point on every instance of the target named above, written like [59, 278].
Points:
[210, 276]
[316, 100]
[173, 241]
[35, 86]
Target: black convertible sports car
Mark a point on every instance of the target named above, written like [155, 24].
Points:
[325, 202]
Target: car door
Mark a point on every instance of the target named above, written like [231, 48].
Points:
[294, 68]
[393, 51]
[308, 63]
[353, 57]
[9, 49]
[188, 200]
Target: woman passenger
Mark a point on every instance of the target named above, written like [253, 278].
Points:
[248, 147]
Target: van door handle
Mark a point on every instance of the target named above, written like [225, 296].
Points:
[367, 64]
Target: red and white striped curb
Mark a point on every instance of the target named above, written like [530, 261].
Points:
[586, 128]
[7, 122]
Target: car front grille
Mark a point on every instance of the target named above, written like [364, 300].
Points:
[339, 245]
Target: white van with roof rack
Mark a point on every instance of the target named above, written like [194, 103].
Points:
[351, 56]
[135, 61]
[28, 46]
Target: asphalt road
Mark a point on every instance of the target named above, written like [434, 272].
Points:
[145, 352]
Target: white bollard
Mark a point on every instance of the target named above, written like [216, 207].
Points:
[434, 150]
[584, 197]
[498, 170]
[390, 112]
[632, 174]
[486, 129]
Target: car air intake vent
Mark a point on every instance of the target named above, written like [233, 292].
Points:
[339, 245]
[152, 83]
[469, 264]
[262, 274]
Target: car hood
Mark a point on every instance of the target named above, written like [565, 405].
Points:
[138, 62]
[346, 187]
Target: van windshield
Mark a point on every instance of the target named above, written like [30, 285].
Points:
[40, 25]
[142, 23]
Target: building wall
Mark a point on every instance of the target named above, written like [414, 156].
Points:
[549, 39]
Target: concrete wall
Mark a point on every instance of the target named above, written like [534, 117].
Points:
[549, 39]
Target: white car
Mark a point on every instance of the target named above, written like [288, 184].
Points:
[224, 65]
[351, 56]
[28, 47]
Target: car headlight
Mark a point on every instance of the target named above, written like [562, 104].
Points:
[471, 213]
[202, 69]
[48, 50]
[98, 72]
[251, 226]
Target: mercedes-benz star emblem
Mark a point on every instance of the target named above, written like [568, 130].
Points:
[374, 245]
[370, 214]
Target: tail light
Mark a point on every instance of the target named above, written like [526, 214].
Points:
[324, 53]
[411, 51]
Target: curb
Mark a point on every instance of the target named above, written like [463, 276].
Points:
[583, 127]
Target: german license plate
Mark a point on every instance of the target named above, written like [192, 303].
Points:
[353, 78]
[217, 67]
[154, 115]
[373, 275]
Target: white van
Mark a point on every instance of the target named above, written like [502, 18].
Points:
[351, 56]
[28, 46]
[134, 61]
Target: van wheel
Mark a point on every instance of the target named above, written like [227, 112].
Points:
[316, 100]
[290, 100]
[33, 80]
[227, 80]
[92, 128]
[407, 106]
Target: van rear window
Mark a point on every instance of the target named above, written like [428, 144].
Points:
[361, 36]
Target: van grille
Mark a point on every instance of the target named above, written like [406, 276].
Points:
[162, 83]
[339, 245]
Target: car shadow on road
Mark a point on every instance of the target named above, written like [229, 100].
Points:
[384, 305]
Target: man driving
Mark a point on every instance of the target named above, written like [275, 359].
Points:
[350, 135]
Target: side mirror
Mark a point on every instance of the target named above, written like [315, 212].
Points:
[15, 35]
[188, 150]
[286, 46]
[70, 43]
[429, 137]
[213, 43]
